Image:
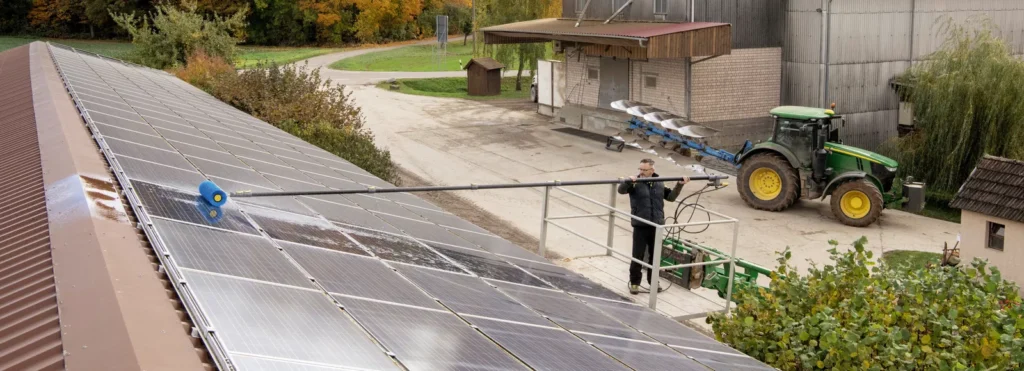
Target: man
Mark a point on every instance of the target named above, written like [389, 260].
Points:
[647, 201]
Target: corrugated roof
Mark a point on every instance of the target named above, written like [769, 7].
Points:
[624, 30]
[994, 188]
[30, 336]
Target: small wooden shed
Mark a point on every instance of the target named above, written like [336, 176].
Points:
[483, 76]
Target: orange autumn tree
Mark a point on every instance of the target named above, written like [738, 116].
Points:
[386, 20]
[332, 18]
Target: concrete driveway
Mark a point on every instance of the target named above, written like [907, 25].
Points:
[456, 142]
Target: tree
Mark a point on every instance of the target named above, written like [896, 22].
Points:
[966, 99]
[97, 12]
[496, 12]
[854, 315]
[56, 17]
[177, 33]
[15, 16]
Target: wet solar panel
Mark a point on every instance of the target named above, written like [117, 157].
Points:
[300, 229]
[423, 230]
[400, 249]
[489, 266]
[569, 312]
[567, 280]
[173, 204]
[644, 355]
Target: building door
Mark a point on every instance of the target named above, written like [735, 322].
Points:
[614, 82]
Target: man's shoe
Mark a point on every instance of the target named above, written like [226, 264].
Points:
[634, 289]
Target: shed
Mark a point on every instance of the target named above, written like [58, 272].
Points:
[483, 76]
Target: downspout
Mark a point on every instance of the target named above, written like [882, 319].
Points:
[689, 70]
[828, 49]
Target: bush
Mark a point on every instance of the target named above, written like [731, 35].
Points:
[301, 103]
[203, 70]
[853, 316]
[177, 33]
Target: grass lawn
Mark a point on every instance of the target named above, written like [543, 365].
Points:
[414, 58]
[455, 87]
[913, 258]
[248, 55]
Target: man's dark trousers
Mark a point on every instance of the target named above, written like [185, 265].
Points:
[643, 249]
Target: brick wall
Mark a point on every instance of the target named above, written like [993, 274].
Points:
[745, 84]
[578, 88]
[669, 92]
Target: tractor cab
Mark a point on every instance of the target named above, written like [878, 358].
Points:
[804, 159]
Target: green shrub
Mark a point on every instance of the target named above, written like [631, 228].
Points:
[301, 103]
[856, 316]
[177, 33]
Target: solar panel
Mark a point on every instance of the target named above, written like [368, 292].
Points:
[163, 175]
[173, 204]
[400, 249]
[644, 355]
[281, 322]
[230, 253]
[301, 229]
[569, 281]
[488, 266]
[356, 275]
[471, 295]
[569, 312]
[548, 348]
[430, 340]
[423, 230]
[246, 362]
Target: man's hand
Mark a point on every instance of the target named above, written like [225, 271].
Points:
[686, 179]
[632, 178]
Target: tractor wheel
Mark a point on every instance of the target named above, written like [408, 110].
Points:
[767, 182]
[857, 203]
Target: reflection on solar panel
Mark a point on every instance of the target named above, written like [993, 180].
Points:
[342, 282]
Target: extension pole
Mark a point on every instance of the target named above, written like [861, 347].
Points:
[556, 183]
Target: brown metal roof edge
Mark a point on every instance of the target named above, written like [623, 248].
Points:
[115, 309]
[30, 335]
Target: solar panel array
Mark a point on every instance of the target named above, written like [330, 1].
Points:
[387, 281]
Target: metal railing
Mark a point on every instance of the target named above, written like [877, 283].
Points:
[655, 265]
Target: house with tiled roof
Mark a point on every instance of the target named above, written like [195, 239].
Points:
[992, 215]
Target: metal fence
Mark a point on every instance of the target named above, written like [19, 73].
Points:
[659, 238]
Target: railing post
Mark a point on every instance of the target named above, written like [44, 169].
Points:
[542, 249]
[659, 237]
[732, 265]
[611, 220]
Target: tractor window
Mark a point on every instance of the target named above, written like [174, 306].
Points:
[797, 136]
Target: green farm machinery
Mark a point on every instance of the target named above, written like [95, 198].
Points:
[802, 159]
[711, 276]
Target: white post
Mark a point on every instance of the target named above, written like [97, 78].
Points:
[732, 265]
[542, 249]
[611, 219]
[659, 236]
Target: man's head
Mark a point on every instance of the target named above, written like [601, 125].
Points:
[646, 168]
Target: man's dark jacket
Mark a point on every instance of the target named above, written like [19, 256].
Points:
[647, 200]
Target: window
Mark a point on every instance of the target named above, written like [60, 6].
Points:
[593, 73]
[660, 6]
[996, 233]
[650, 81]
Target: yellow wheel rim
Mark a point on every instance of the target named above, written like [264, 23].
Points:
[765, 184]
[855, 204]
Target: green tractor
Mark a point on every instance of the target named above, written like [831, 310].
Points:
[804, 159]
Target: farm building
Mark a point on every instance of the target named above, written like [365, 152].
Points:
[782, 52]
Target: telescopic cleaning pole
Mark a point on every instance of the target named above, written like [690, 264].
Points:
[716, 179]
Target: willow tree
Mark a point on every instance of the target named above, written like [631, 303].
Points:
[496, 12]
[968, 100]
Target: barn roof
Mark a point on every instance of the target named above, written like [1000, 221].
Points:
[994, 188]
[485, 62]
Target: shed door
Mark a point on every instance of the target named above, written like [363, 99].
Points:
[614, 82]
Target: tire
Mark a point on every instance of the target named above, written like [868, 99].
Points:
[857, 203]
[759, 182]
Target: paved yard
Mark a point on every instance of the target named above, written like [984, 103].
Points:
[451, 142]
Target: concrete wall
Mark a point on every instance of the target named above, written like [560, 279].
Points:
[870, 42]
[973, 234]
[744, 84]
